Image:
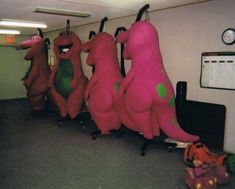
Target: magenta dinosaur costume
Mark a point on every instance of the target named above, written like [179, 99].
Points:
[36, 78]
[101, 92]
[67, 80]
[148, 96]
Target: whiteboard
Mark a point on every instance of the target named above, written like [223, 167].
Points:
[218, 70]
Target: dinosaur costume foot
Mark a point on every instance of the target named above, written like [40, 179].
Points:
[73, 115]
[95, 134]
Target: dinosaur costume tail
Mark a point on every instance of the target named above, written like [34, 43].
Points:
[179, 134]
[173, 130]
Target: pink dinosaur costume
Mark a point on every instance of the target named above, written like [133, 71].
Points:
[67, 80]
[148, 96]
[36, 78]
[101, 91]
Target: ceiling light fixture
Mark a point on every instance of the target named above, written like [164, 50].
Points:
[12, 32]
[62, 12]
[19, 23]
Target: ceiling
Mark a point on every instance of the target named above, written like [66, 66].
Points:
[24, 10]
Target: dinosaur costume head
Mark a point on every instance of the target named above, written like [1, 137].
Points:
[36, 45]
[66, 45]
[141, 37]
[97, 48]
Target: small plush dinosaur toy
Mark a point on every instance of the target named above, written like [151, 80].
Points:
[36, 78]
[67, 80]
[101, 92]
[146, 91]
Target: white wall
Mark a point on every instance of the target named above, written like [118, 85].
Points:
[186, 32]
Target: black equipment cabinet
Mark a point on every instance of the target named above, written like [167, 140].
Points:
[206, 120]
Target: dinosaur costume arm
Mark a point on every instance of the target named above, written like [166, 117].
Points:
[125, 83]
[89, 86]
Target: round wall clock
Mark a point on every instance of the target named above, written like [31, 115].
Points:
[228, 36]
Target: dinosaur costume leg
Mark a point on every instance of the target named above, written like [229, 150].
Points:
[59, 101]
[36, 93]
[100, 105]
[124, 116]
[138, 106]
[76, 99]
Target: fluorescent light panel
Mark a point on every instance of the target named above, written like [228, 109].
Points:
[13, 32]
[19, 23]
[62, 12]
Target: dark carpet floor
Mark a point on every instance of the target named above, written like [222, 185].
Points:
[36, 153]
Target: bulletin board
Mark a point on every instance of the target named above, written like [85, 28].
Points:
[218, 70]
